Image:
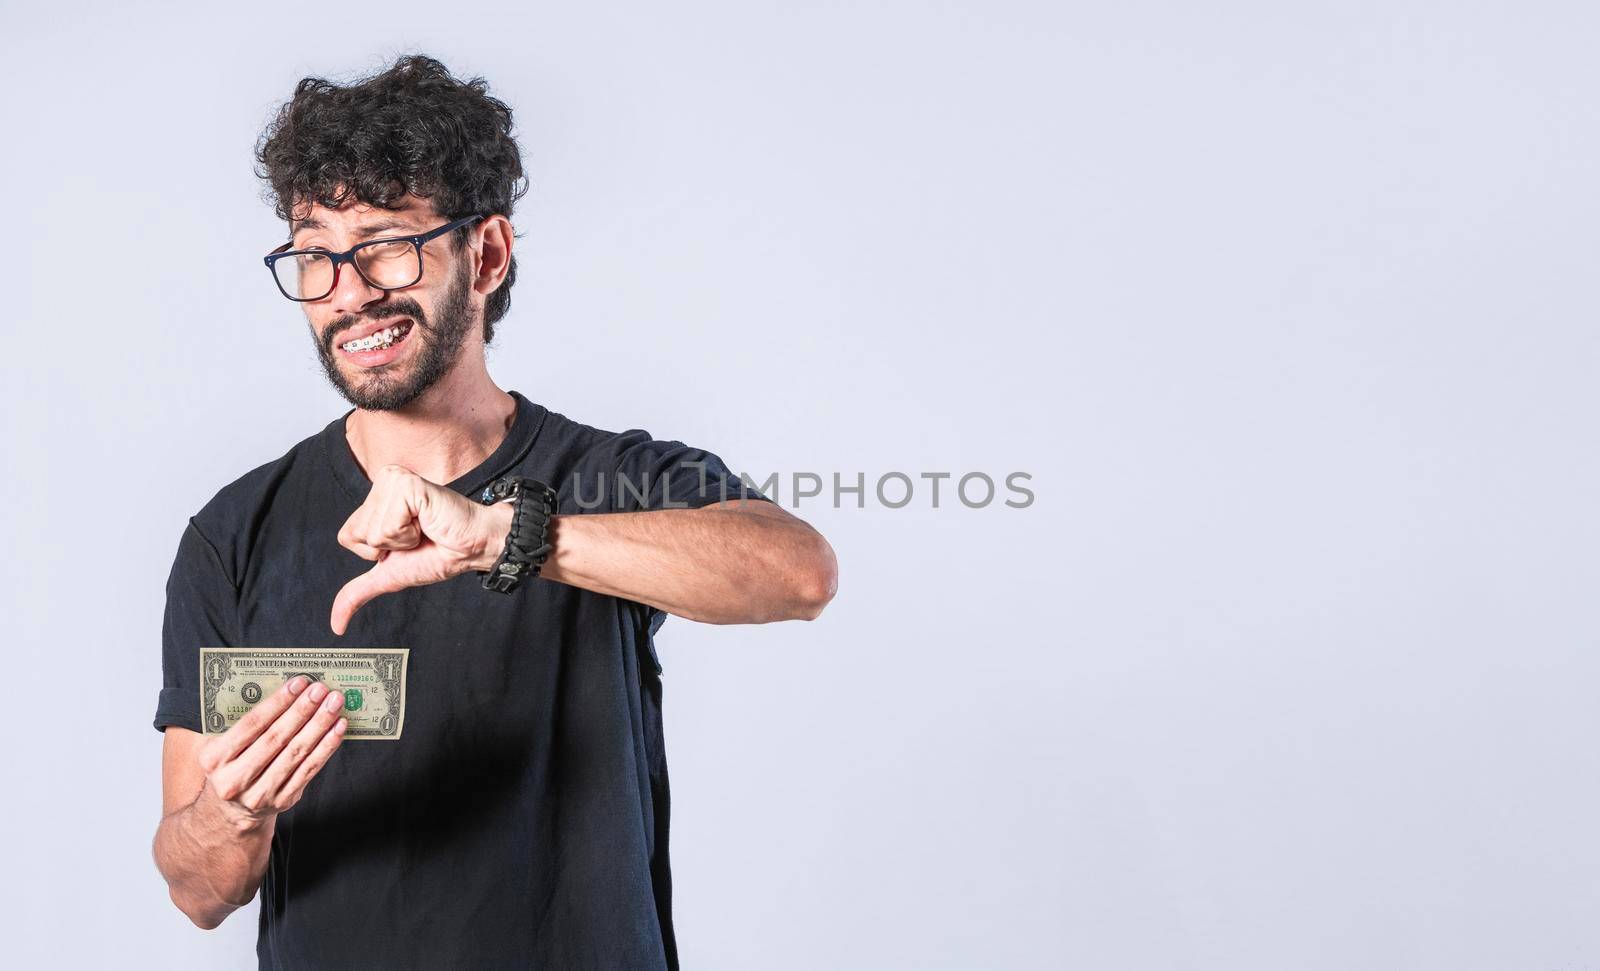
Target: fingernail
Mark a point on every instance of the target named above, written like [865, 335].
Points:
[296, 685]
[340, 725]
[335, 699]
[317, 691]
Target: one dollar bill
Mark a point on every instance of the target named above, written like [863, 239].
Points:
[234, 679]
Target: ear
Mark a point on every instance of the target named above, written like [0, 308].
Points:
[495, 260]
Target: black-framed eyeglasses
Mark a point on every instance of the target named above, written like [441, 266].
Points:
[390, 263]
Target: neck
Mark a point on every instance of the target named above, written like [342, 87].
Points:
[448, 431]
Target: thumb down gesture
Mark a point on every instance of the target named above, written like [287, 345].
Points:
[415, 532]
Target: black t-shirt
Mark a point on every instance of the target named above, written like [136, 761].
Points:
[521, 820]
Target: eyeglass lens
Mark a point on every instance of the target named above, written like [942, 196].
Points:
[389, 266]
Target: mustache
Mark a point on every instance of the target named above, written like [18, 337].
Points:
[344, 323]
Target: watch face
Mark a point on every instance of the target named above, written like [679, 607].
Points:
[505, 488]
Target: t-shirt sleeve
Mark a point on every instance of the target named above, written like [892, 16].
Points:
[202, 611]
[633, 472]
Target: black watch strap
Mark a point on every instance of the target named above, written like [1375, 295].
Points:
[528, 543]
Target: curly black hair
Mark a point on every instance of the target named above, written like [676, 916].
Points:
[414, 128]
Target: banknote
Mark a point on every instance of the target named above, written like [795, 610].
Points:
[373, 679]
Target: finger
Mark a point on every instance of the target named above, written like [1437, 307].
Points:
[363, 550]
[394, 522]
[354, 528]
[290, 793]
[265, 788]
[255, 759]
[247, 729]
[386, 519]
[358, 593]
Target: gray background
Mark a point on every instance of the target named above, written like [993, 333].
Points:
[1287, 309]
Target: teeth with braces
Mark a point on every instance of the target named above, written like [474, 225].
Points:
[382, 338]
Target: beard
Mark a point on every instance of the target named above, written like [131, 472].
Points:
[387, 387]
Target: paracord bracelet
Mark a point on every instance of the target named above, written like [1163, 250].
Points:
[527, 544]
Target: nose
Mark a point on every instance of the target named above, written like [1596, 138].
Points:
[351, 292]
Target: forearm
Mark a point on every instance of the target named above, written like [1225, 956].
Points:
[717, 565]
[212, 867]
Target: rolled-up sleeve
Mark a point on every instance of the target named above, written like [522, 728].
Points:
[202, 611]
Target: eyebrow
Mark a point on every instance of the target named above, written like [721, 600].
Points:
[369, 229]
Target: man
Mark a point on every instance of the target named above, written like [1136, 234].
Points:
[521, 818]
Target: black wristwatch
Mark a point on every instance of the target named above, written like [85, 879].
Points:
[528, 543]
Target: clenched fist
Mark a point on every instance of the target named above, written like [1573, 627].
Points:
[416, 532]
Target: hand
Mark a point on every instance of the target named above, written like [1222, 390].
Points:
[416, 532]
[259, 767]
